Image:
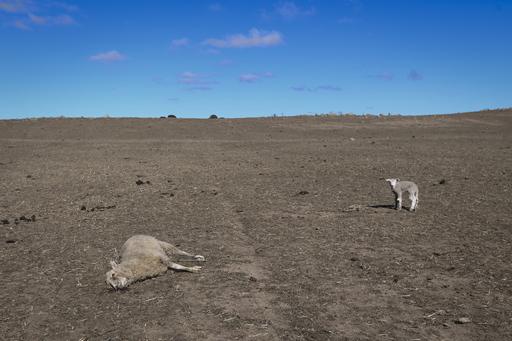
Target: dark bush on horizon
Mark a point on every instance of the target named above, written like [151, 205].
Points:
[213, 117]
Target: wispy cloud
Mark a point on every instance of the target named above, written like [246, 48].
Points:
[196, 81]
[414, 75]
[16, 6]
[327, 87]
[109, 56]
[182, 42]
[25, 14]
[255, 38]
[215, 7]
[254, 77]
[385, 76]
[63, 6]
[345, 20]
[225, 62]
[59, 20]
[199, 88]
[289, 10]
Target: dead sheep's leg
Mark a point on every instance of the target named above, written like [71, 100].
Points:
[175, 266]
[173, 250]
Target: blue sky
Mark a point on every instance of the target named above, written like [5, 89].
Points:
[253, 58]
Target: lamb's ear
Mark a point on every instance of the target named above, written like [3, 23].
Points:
[113, 264]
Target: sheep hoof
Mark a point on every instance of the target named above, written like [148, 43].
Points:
[195, 268]
[199, 258]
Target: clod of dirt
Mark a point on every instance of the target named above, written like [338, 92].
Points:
[253, 279]
[462, 320]
[29, 176]
[139, 182]
[102, 208]
[354, 207]
[23, 218]
[395, 278]
[83, 208]
[442, 181]
[354, 259]
[303, 193]
[11, 241]
[5, 221]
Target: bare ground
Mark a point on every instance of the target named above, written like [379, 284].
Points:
[291, 214]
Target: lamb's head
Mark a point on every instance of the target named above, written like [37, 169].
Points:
[115, 278]
[393, 182]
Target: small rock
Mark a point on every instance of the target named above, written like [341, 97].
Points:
[442, 181]
[253, 279]
[139, 182]
[11, 241]
[354, 259]
[23, 218]
[303, 193]
[33, 217]
[352, 139]
[29, 176]
[462, 320]
[82, 208]
[5, 221]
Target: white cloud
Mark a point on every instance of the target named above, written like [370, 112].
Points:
[253, 77]
[215, 7]
[327, 87]
[16, 6]
[255, 38]
[289, 10]
[196, 81]
[414, 76]
[182, 42]
[109, 56]
[25, 15]
[386, 76]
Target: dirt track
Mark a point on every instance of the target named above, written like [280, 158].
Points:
[290, 213]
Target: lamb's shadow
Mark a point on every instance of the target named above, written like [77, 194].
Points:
[391, 207]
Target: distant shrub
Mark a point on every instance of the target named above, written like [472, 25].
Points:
[171, 116]
[212, 117]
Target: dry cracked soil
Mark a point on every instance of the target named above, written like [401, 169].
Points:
[292, 214]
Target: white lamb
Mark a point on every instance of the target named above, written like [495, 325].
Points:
[398, 187]
[145, 257]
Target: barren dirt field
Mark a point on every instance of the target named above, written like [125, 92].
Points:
[293, 217]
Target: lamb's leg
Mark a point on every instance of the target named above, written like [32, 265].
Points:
[173, 250]
[414, 201]
[175, 266]
[398, 203]
[412, 197]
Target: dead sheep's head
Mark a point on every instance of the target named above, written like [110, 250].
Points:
[115, 278]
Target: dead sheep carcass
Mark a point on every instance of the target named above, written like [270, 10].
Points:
[144, 257]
